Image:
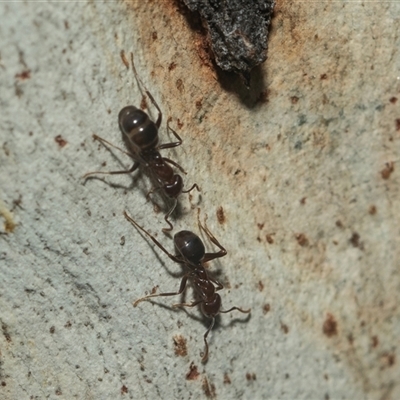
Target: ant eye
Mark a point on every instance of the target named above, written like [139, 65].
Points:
[131, 118]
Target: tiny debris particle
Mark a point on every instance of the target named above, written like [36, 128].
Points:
[3, 383]
[260, 286]
[294, 99]
[208, 389]
[339, 223]
[324, 76]
[302, 239]
[393, 100]
[180, 345]
[6, 334]
[122, 241]
[60, 141]
[124, 389]
[266, 308]
[143, 103]
[387, 171]
[372, 210]
[269, 239]
[397, 124]
[284, 328]
[179, 85]
[172, 66]
[52, 329]
[329, 328]
[193, 373]
[227, 380]
[251, 377]
[303, 201]
[220, 215]
[355, 240]
[375, 341]
[23, 75]
[154, 35]
[58, 392]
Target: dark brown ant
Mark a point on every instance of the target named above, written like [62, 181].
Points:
[191, 252]
[141, 137]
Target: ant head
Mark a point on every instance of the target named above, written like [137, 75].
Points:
[211, 308]
[189, 246]
[138, 128]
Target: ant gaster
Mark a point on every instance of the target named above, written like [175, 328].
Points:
[140, 134]
[190, 251]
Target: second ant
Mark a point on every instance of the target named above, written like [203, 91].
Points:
[140, 134]
[190, 251]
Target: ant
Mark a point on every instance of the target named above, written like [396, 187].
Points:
[190, 252]
[140, 134]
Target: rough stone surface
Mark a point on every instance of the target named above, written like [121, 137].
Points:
[238, 31]
[299, 178]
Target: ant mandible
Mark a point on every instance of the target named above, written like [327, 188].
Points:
[140, 134]
[191, 253]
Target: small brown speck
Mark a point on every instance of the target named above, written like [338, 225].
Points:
[124, 389]
[3, 384]
[6, 334]
[60, 141]
[294, 99]
[171, 66]
[260, 286]
[199, 104]
[355, 240]
[52, 329]
[266, 308]
[66, 25]
[122, 241]
[143, 103]
[285, 328]
[227, 380]
[68, 324]
[179, 85]
[179, 123]
[303, 201]
[302, 239]
[269, 238]
[208, 389]
[324, 76]
[372, 210]
[251, 377]
[180, 345]
[220, 215]
[58, 392]
[23, 75]
[154, 35]
[375, 341]
[193, 373]
[330, 326]
[339, 223]
[397, 123]
[260, 226]
[154, 289]
[389, 359]
[393, 100]
[387, 171]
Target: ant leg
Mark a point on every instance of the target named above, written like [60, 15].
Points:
[151, 192]
[155, 241]
[175, 165]
[172, 144]
[211, 256]
[140, 82]
[195, 303]
[168, 215]
[104, 141]
[238, 309]
[205, 354]
[180, 291]
[133, 168]
[194, 186]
